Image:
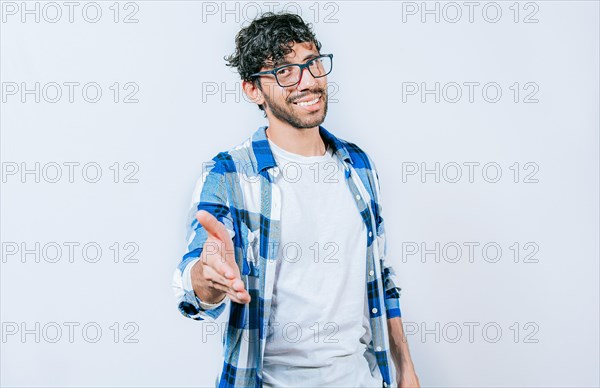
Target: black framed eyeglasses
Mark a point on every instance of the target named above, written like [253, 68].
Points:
[290, 75]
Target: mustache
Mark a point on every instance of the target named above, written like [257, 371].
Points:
[318, 92]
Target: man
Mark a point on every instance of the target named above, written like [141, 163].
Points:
[286, 232]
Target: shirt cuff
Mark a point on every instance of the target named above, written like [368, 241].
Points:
[210, 306]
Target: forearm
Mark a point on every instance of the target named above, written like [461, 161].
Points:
[399, 346]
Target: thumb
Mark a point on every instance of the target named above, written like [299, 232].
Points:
[216, 228]
[213, 226]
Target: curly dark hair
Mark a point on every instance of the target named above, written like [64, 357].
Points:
[268, 39]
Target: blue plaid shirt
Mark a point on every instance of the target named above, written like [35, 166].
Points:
[237, 188]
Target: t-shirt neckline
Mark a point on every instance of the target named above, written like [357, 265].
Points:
[280, 152]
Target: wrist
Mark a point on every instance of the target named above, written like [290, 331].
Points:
[210, 306]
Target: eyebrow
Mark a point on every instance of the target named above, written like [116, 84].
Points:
[306, 58]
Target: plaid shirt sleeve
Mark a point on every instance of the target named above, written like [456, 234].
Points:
[210, 194]
[390, 280]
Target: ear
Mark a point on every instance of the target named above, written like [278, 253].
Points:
[253, 92]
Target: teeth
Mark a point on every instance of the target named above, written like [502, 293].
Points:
[308, 103]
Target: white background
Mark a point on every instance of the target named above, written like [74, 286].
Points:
[174, 56]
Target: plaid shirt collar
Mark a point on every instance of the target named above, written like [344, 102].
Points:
[264, 155]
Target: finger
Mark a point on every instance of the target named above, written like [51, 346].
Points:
[211, 274]
[237, 297]
[236, 286]
[220, 262]
[218, 231]
[240, 298]
[227, 265]
[222, 288]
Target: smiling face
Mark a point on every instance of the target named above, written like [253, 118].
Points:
[303, 105]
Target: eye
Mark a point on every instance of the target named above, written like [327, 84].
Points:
[283, 71]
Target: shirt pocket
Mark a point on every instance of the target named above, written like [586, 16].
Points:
[253, 252]
[381, 240]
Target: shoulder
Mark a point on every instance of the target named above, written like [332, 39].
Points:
[361, 159]
[364, 165]
[238, 158]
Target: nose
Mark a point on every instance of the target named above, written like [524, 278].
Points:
[306, 82]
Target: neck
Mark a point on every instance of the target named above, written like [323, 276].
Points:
[301, 141]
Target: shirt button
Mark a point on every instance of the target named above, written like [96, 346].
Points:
[379, 350]
[374, 311]
[357, 197]
[371, 273]
[370, 234]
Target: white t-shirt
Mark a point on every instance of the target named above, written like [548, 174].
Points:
[318, 324]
